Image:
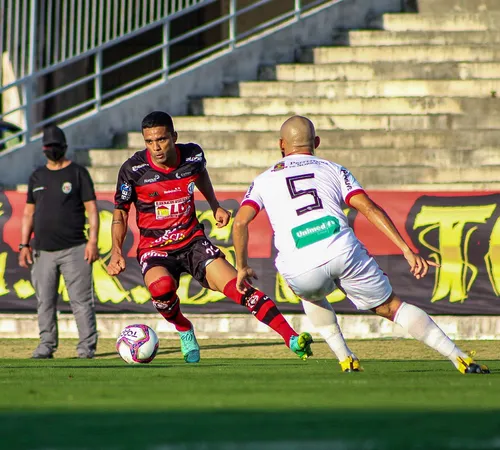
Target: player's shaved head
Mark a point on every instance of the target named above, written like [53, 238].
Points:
[298, 136]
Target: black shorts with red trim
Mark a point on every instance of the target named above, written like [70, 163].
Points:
[192, 259]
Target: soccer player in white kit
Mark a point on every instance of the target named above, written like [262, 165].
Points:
[318, 251]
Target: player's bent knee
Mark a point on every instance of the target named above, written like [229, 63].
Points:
[389, 308]
[164, 290]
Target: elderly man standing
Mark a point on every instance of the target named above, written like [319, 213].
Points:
[59, 194]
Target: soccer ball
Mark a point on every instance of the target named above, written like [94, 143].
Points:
[137, 344]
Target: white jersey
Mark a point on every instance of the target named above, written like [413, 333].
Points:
[303, 196]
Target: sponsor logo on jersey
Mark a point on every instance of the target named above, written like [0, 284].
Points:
[126, 191]
[249, 191]
[278, 166]
[169, 237]
[183, 174]
[67, 187]
[191, 187]
[153, 194]
[152, 179]
[140, 166]
[196, 158]
[152, 254]
[41, 188]
[170, 191]
[166, 209]
[345, 175]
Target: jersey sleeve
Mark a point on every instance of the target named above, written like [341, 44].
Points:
[200, 160]
[125, 191]
[87, 190]
[349, 185]
[31, 184]
[253, 198]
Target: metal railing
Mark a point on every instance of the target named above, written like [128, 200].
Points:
[93, 54]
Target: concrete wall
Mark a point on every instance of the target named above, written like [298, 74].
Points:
[243, 326]
[242, 64]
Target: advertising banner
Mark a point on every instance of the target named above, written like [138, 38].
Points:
[461, 231]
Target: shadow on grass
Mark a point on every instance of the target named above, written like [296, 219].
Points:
[173, 349]
[290, 429]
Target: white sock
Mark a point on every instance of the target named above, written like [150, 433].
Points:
[324, 319]
[418, 323]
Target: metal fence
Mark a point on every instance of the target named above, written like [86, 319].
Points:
[42, 33]
[72, 58]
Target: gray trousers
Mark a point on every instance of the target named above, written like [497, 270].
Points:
[77, 273]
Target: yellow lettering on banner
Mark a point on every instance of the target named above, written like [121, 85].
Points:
[24, 289]
[220, 234]
[140, 295]
[456, 275]
[62, 289]
[492, 258]
[3, 266]
[336, 296]
[107, 288]
[283, 293]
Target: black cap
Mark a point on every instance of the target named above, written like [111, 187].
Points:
[53, 136]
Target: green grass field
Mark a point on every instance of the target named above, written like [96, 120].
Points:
[248, 395]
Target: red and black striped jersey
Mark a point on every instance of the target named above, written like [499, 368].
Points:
[163, 198]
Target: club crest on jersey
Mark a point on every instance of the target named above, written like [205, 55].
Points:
[278, 166]
[67, 187]
[126, 191]
[166, 209]
[191, 187]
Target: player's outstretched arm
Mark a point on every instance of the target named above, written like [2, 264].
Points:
[378, 217]
[119, 228]
[240, 240]
[204, 185]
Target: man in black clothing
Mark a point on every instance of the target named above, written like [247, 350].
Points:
[59, 194]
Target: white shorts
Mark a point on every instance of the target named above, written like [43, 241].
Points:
[355, 272]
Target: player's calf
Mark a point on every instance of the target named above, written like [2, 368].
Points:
[262, 307]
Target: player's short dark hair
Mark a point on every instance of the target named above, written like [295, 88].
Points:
[158, 119]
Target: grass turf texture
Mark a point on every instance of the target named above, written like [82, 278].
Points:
[248, 395]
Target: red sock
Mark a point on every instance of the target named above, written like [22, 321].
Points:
[263, 308]
[174, 315]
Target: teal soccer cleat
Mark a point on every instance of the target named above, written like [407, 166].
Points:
[301, 345]
[189, 346]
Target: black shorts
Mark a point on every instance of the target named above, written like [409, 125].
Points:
[191, 259]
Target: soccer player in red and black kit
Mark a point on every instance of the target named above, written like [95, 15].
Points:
[160, 181]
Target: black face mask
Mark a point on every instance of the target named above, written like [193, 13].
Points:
[55, 152]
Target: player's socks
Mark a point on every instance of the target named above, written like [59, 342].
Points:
[175, 316]
[263, 308]
[323, 318]
[418, 323]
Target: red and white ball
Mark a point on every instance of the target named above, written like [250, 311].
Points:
[137, 344]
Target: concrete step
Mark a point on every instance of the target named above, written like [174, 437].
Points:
[457, 6]
[340, 139]
[429, 187]
[379, 175]
[380, 71]
[104, 157]
[442, 157]
[340, 122]
[401, 53]
[438, 22]
[366, 89]
[396, 105]
[379, 38]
